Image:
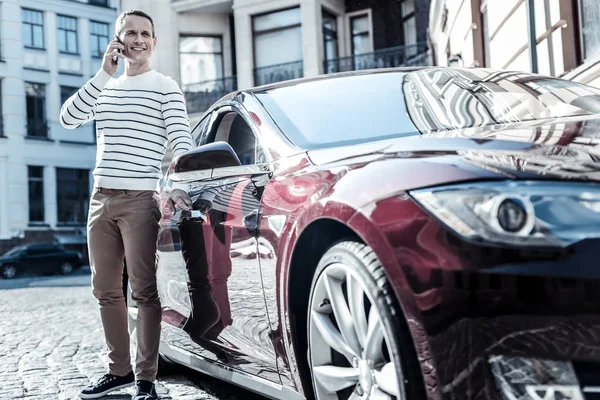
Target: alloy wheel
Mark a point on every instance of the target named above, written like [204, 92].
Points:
[66, 268]
[349, 354]
[9, 271]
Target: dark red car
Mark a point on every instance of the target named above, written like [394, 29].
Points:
[393, 234]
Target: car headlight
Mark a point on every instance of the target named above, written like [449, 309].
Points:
[533, 214]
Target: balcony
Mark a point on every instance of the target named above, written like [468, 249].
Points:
[37, 128]
[400, 56]
[201, 95]
[278, 73]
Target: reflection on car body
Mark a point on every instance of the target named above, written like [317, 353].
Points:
[404, 233]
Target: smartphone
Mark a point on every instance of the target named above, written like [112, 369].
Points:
[115, 58]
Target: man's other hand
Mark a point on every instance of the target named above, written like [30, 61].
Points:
[179, 198]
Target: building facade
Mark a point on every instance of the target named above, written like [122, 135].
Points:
[213, 47]
[50, 48]
[551, 37]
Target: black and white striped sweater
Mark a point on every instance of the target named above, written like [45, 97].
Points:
[135, 117]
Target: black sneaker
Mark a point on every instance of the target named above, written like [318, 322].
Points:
[108, 383]
[144, 390]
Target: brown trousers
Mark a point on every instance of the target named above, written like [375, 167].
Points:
[124, 224]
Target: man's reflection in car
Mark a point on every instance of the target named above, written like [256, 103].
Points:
[202, 236]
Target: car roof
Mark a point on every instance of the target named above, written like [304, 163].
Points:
[298, 81]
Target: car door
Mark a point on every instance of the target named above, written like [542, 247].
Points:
[215, 246]
[36, 259]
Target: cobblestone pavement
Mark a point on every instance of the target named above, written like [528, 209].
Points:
[51, 345]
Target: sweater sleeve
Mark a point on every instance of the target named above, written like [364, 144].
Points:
[176, 119]
[81, 107]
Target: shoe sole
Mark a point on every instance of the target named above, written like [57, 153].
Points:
[102, 394]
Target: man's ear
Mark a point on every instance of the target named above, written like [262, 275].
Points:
[154, 41]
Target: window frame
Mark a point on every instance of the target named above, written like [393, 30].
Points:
[221, 53]
[42, 98]
[407, 17]
[82, 195]
[350, 37]
[256, 33]
[30, 181]
[31, 24]
[64, 87]
[97, 38]
[65, 31]
[326, 13]
[580, 36]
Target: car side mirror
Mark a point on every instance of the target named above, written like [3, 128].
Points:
[214, 161]
[207, 157]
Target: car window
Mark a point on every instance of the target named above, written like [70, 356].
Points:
[232, 128]
[15, 251]
[199, 133]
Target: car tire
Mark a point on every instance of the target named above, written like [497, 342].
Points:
[66, 268]
[9, 271]
[351, 350]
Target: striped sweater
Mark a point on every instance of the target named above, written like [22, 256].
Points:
[135, 117]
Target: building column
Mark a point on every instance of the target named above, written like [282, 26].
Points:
[244, 48]
[312, 37]
[50, 188]
[4, 223]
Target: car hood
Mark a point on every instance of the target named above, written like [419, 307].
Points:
[565, 149]
[7, 259]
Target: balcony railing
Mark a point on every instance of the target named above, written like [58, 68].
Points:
[201, 95]
[278, 73]
[399, 56]
[37, 128]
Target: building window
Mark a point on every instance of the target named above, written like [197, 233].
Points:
[33, 28]
[409, 22]
[66, 92]
[36, 194]
[98, 38]
[201, 59]
[361, 34]
[72, 195]
[277, 37]
[67, 34]
[102, 3]
[590, 34]
[35, 95]
[330, 36]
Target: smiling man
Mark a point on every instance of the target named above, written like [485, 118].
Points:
[136, 115]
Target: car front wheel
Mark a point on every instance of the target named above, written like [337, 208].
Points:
[9, 271]
[359, 344]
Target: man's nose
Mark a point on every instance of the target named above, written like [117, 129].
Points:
[138, 38]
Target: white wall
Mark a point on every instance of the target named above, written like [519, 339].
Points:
[52, 69]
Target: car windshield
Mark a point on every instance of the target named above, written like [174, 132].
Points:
[362, 108]
[15, 251]
[340, 111]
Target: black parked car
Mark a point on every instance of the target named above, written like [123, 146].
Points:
[39, 257]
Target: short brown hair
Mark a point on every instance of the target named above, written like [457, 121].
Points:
[121, 20]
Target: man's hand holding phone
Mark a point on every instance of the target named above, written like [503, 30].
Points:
[114, 51]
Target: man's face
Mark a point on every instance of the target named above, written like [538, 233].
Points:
[136, 36]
